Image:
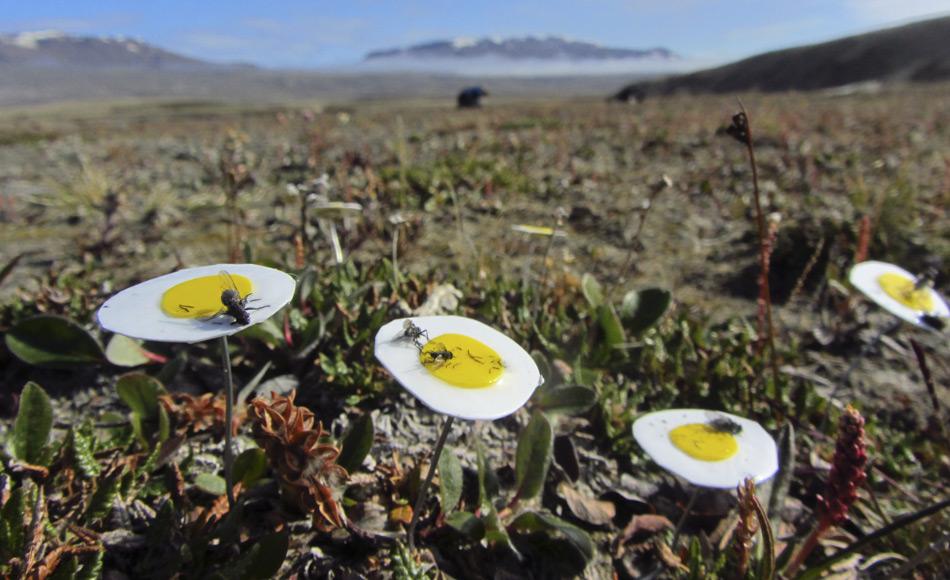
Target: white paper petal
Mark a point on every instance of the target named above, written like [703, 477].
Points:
[401, 358]
[757, 456]
[864, 276]
[137, 312]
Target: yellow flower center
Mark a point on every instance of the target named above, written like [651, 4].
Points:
[462, 361]
[700, 441]
[901, 288]
[201, 297]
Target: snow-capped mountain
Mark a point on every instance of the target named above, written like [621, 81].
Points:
[52, 49]
[520, 55]
[528, 47]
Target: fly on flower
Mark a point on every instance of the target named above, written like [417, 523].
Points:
[458, 366]
[234, 304]
[723, 424]
[412, 332]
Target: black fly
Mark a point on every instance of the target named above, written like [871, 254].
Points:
[725, 425]
[234, 304]
[438, 356]
[414, 333]
[935, 322]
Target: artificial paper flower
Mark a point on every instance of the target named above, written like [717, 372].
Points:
[186, 306]
[707, 448]
[458, 366]
[896, 290]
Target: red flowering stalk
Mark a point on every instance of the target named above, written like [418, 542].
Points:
[864, 240]
[847, 475]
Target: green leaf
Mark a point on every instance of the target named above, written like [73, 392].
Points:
[450, 480]
[592, 290]
[267, 332]
[91, 566]
[53, 341]
[533, 456]
[356, 443]
[81, 445]
[123, 351]
[250, 466]
[12, 524]
[541, 522]
[107, 491]
[140, 393]
[65, 570]
[267, 556]
[467, 524]
[571, 400]
[642, 309]
[783, 479]
[34, 423]
[610, 324]
[487, 480]
[211, 483]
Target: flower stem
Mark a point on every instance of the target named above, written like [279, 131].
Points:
[679, 524]
[424, 490]
[395, 256]
[807, 547]
[228, 420]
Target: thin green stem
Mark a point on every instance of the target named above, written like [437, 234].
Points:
[395, 255]
[228, 421]
[682, 520]
[424, 490]
[544, 271]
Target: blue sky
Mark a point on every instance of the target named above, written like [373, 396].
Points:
[299, 33]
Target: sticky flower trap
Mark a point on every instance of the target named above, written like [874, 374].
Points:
[707, 448]
[198, 304]
[186, 306]
[458, 366]
[898, 291]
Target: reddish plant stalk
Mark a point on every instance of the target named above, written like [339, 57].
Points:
[864, 240]
[741, 130]
[847, 475]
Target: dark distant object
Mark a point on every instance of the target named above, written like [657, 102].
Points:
[471, 97]
[918, 52]
[631, 94]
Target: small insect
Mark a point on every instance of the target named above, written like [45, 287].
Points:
[440, 355]
[414, 333]
[725, 425]
[234, 304]
[185, 307]
[935, 322]
[926, 279]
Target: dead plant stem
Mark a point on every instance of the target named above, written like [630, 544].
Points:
[765, 293]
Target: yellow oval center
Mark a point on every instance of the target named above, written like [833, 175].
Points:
[901, 288]
[462, 361]
[700, 441]
[201, 297]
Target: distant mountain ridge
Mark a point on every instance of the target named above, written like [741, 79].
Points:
[917, 52]
[52, 49]
[527, 47]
